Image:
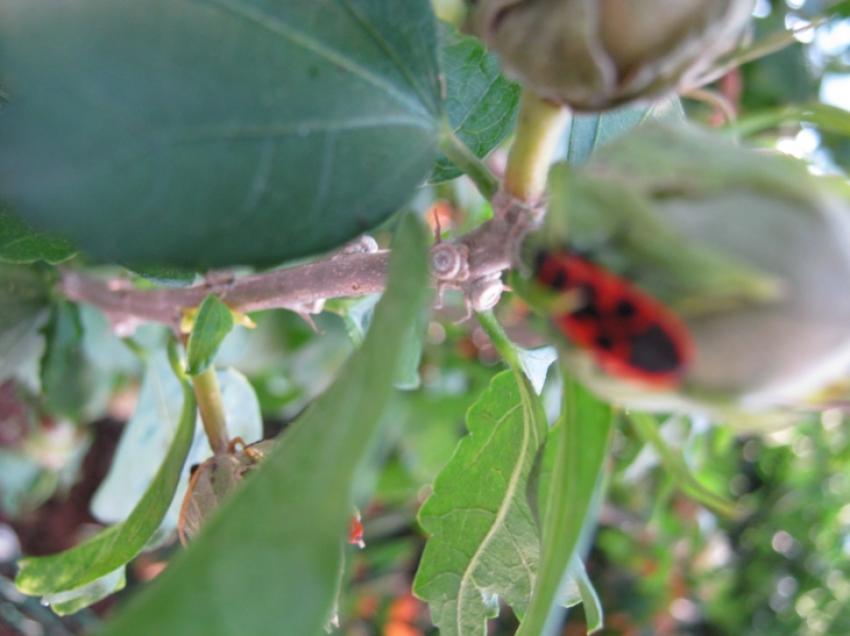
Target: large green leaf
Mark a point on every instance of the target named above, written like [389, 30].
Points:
[590, 131]
[115, 546]
[481, 104]
[269, 561]
[579, 457]
[483, 536]
[215, 132]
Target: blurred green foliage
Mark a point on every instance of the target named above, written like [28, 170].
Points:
[662, 564]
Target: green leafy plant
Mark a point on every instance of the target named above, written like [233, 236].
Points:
[552, 392]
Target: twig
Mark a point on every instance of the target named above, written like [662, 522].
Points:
[485, 253]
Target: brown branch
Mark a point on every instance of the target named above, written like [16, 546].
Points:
[485, 253]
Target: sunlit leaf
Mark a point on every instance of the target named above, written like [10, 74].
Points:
[74, 600]
[484, 542]
[115, 546]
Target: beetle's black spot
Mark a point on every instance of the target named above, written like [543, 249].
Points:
[654, 351]
[193, 469]
[539, 261]
[625, 308]
[559, 281]
[604, 342]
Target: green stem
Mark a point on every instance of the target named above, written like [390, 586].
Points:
[208, 394]
[460, 155]
[824, 116]
[772, 43]
[499, 338]
[539, 129]
[647, 429]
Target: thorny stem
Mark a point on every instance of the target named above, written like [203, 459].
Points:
[488, 250]
[208, 394]
[539, 129]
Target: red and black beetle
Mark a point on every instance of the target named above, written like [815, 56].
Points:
[629, 333]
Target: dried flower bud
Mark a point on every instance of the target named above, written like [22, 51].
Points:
[595, 54]
[749, 249]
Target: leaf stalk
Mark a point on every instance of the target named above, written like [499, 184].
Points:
[539, 130]
[211, 407]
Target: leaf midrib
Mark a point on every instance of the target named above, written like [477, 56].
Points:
[280, 28]
[507, 501]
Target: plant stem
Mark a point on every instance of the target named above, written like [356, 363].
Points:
[539, 129]
[762, 48]
[503, 345]
[208, 394]
[460, 155]
[647, 429]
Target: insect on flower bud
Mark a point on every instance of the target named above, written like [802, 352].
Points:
[596, 54]
[748, 250]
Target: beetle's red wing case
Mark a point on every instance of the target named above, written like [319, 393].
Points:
[629, 333]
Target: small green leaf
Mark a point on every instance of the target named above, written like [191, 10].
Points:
[269, 560]
[481, 105]
[311, 123]
[590, 131]
[212, 324]
[23, 312]
[579, 459]
[483, 537]
[67, 380]
[166, 276]
[115, 546]
[594, 616]
[19, 244]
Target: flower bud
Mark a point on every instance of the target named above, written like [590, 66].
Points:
[596, 54]
[750, 250]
